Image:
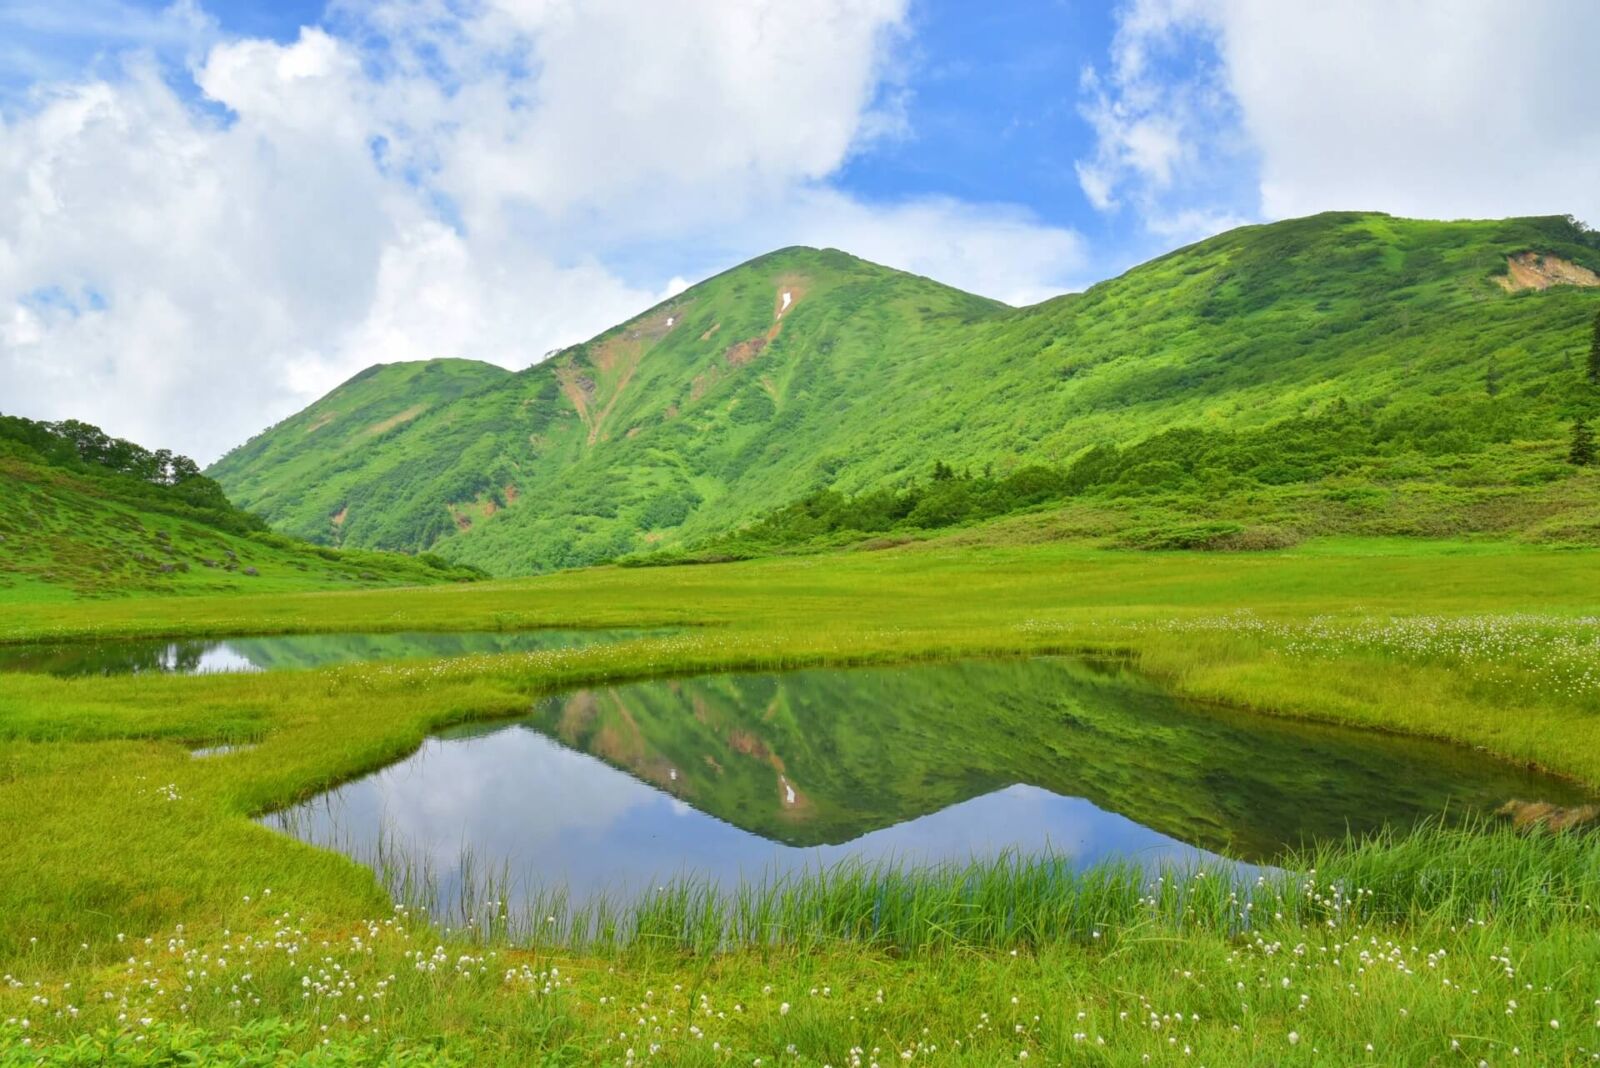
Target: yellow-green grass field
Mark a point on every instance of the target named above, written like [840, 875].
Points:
[114, 836]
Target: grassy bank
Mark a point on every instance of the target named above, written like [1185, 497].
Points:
[1438, 948]
[117, 831]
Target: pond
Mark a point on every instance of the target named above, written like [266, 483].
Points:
[214, 655]
[615, 790]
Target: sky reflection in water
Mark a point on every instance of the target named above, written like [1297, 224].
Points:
[229, 655]
[738, 777]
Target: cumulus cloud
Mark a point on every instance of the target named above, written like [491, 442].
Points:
[1163, 120]
[994, 249]
[189, 255]
[1454, 108]
[1216, 110]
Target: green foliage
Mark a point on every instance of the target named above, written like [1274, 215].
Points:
[159, 480]
[84, 513]
[1581, 453]
[1186, 470]
[1594, 352]
[871, 376]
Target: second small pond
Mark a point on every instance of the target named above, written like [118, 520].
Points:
[213, 655]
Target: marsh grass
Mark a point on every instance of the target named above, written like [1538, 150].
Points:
[1441, 871]
[1442, 945]
[112, 829]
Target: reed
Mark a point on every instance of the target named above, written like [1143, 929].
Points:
[1442, 873]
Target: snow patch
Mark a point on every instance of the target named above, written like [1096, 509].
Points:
[786, 301]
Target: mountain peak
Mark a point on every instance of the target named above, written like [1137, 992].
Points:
[810, 368]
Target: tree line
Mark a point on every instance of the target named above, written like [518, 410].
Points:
[72, 443]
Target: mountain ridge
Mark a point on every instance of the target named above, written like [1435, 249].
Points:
[808, 369]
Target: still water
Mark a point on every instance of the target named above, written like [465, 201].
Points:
[614, 790]
[207, 656]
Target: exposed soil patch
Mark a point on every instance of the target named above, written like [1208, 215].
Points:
[322, 420]
[790, 289]
[702, 383]
[578, 388]
[743, 352]
[747, 744]
[608, 354]
[394, 420]
[577, 713]
[1531, 270]
[658, 325]
[620, 740]
[707, 335]
[615, 359]
[512, 493]
[338, 518]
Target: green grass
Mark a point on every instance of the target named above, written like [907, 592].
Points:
[113, 829]
[1463, 947]
[66, 535]
[1315, 376]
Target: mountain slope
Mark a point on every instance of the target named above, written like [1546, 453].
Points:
[807, 370]
[370, 409]
[82, 513]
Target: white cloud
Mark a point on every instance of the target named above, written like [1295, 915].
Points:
[1454, 108]
[1156, 112]
[414, 182]
[998, 251]
[1216, 110]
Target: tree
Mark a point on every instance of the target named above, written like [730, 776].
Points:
[1582, 452]
[1491, 378]
[942, 472]
[1594, 352]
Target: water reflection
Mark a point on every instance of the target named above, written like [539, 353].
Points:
[523, 800]
[208, 656]
[615, 789]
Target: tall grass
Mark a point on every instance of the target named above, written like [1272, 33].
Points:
[1440, 873]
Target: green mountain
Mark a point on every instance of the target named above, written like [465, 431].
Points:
[82, 513]
[1326, 367]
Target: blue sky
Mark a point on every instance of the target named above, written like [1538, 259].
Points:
[992, 96]
[212, 211]
[989, 93]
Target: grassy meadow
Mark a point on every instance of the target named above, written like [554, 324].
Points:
[148, 919]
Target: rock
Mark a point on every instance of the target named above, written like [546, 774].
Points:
[251, 571]
[1524, 814]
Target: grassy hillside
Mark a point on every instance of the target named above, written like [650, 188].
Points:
[85, 514]
[1303, 377]
[274, 470]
